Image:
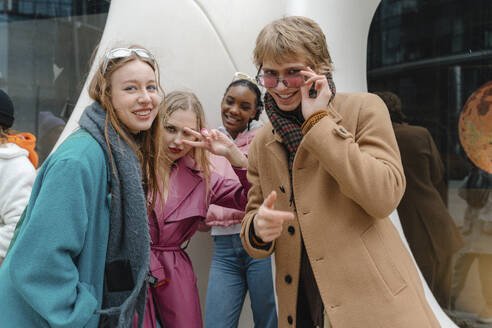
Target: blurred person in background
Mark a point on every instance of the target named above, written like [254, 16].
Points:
[428, 227]
[50, 128]
[18, 162]
[477, 232]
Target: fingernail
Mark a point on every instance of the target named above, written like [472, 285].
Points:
[203, 130]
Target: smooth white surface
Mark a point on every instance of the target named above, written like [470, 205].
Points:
[346, 26]
[200, 44]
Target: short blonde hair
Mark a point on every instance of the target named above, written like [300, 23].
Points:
[290, 38]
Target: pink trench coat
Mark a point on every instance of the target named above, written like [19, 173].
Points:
[175, 296]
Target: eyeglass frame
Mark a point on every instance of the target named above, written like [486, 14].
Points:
[138, 51]
[258, 76]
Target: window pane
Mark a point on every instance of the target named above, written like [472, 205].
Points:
[436, 57]
[45, 49]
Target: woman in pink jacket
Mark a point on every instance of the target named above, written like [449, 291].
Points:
[233, 272]
[189, 187]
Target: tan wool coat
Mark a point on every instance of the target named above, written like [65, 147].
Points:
[347, 179]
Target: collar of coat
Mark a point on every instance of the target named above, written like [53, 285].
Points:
[185, 176]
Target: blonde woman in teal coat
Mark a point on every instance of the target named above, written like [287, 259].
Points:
[81, 256]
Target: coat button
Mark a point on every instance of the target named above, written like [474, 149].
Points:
[291, 230]
[282, 189]
[288, 279]
[290, 320]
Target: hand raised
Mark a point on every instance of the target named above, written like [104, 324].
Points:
[212, 140]
[218, 144]
[311, 105]
[268, 222]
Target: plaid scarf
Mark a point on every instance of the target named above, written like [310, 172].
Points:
[287, 125]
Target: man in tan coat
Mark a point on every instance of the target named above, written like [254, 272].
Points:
[325, 175]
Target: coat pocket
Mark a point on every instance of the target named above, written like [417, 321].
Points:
[382, 260]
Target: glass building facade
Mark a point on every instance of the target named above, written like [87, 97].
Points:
[436, 57]
[45, 50]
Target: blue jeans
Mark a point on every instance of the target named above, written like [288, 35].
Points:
[232, 273]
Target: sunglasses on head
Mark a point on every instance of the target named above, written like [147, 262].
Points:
[271, 81]
[125, 52]
[244, 76]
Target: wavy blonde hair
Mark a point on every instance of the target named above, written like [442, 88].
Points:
[290, 38]
[147, 146]
[186, 101]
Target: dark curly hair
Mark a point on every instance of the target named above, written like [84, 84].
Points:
[393, 102]
[253, 87]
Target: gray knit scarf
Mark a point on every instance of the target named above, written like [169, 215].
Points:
[128, 252]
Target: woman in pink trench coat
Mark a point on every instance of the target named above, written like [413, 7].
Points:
[189, 190]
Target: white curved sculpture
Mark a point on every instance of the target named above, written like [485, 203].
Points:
[200, 44]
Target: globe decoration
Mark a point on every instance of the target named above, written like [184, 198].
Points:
[475, 127]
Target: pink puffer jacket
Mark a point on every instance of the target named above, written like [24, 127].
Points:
[221, 216]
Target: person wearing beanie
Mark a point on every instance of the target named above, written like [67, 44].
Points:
[17, 172]
[6, 110]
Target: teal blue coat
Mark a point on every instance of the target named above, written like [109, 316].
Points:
[53, 275]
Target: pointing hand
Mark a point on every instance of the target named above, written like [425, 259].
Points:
[268, 222]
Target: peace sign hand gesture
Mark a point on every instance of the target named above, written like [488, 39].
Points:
[218, 144]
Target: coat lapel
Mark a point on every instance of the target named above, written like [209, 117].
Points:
[182, 181]
[274, 144]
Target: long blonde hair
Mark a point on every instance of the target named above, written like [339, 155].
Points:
[148, 147]
[186, 101]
